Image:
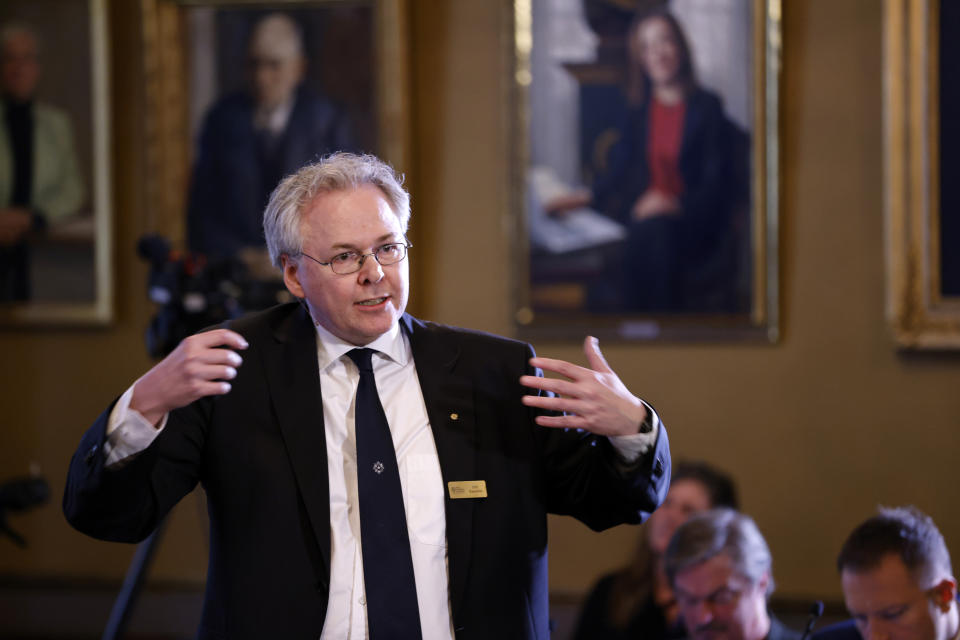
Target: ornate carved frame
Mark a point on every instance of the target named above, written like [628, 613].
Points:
[762, 321]
[920, 316]
[168, 141]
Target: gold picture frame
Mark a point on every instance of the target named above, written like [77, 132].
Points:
[552, 303]
[69, 273]
[170, 133]
[920, 314]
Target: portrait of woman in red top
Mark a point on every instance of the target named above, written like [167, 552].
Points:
[676, 178]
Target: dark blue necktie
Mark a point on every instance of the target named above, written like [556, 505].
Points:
[391, 589]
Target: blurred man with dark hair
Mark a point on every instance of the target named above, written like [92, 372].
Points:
[722, 574]
[897, 580]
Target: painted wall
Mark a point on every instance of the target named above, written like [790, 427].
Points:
[818, 429]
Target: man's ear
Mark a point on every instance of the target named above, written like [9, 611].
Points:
[764, 582]
[945, 593]
[291, 276]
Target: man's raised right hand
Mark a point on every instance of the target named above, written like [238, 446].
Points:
[200, 366]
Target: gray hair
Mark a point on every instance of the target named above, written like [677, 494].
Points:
[279, 33]
[720, 531]
[337, 172]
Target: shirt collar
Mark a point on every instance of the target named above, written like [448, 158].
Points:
[393, 344]
[274, 119]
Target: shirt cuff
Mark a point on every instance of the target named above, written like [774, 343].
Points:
[128, 432]
[631, 447]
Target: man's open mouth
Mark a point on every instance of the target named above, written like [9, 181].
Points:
[372, 302]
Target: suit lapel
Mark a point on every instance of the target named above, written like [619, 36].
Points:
[294, 383]
[449, 398]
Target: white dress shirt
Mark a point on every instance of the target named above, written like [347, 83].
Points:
[274, 119]
[421, 481]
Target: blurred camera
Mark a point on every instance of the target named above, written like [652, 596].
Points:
[193, 292]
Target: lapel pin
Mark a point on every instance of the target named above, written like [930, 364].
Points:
[454, 416]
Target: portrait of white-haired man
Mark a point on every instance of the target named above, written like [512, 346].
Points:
[897, 580]
[721, 571]
[253, 137]
[40, 182]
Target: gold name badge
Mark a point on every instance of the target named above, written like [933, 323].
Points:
[468, 489]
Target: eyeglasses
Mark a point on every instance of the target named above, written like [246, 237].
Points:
[351, 261]
[722, 597]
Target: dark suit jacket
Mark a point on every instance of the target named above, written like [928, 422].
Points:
[778, 631]
[846, 630]
[236, 170]
[259, 452]
[646, 622]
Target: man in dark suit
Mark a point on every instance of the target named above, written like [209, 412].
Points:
[279, 443]
[897, 580]
[251, 139]
[721, 572]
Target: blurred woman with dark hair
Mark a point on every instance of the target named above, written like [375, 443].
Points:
[636, 601]
[674, 178]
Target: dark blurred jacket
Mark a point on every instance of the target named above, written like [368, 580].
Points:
[237, 167]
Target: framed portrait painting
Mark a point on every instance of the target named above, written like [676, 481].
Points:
[646, 190]
[922, 154]
[55, 209]
[240, 94]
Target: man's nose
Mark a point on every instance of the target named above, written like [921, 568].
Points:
[699, 614]
[370, 269]
[876, 631]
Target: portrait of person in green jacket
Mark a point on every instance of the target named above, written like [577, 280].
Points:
[40, 181]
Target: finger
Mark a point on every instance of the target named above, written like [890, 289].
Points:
[566, 405]
[221, 338]
[562, 367]
[591, 347]
[561, 422]
[555, 385]
[220, 356]
[217, 388]
[196, 373]
[215, 372]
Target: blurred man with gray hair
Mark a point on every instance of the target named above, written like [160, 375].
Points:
[721, 571]
[253, 138]
[369, 474]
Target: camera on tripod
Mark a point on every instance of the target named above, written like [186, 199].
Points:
[19, 495]
[194, 292]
